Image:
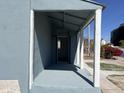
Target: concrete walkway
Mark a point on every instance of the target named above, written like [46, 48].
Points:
[64, 79]
[9, 86]
[106, 85]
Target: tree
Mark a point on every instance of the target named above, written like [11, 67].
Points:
[121, 43]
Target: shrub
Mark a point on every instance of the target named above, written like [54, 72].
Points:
[108, 52]
[121, 43]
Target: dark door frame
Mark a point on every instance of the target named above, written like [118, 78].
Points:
[68, 48]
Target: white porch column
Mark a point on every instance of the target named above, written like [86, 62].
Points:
[82, 50]
[97, 38]
[78, 48]
[89, 40]
[31, 49]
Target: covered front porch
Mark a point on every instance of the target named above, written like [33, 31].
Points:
[56, 47]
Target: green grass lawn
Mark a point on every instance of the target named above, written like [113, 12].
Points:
[110, 67]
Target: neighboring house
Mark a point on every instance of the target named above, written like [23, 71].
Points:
[41, 45]
[117, 35]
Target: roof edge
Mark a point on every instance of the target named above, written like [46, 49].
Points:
[96, 3]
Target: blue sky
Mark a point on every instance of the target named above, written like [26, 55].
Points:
[112, 17]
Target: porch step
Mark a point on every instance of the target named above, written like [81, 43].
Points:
[64, 90]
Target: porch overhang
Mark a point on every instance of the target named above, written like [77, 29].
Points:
[73, 14]
[70, 14]
[65, 5]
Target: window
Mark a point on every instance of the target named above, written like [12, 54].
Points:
[59, 44]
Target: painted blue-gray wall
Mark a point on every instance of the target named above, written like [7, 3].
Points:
[54, 51]
[73, 48]
[14, 41]
[42, 45]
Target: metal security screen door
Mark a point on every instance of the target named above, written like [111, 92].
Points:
[63, 50]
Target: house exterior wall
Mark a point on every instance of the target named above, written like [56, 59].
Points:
[54, 51]
[14, 41]
[14, 38]
[73, 47]
[42, 44]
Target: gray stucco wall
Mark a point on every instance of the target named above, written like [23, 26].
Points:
[42, 46]
[54, 51]
[73, 48]
[14, 41]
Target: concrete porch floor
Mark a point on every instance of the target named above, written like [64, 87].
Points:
[64, 79]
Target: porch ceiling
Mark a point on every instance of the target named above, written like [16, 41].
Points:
[71, 14]
[72, 20]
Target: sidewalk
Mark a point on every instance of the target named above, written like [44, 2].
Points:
[106, 85]
[9, 86]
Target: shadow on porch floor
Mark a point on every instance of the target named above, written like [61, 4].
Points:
[64, 79]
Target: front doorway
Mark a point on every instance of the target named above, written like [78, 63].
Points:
[63, 49]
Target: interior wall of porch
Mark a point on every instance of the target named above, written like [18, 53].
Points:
[73, 56]
[42, 43]
[45, 44]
